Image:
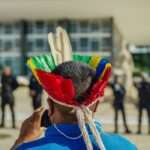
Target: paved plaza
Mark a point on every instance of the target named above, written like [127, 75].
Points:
[105, 115]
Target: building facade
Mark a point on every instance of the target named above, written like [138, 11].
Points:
[22, 39]
[141, 57]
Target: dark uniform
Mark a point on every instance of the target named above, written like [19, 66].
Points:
[144, 103]
[9, 84]
[35, 93]
[118, 104]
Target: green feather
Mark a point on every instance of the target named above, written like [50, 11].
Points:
[44, 62]
[81, 58]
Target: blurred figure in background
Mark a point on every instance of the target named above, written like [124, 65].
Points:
[118, 104]
[9, 84]
[144, 102]
[35, 93]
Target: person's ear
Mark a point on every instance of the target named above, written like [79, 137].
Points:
[51, 106]
[94, 107]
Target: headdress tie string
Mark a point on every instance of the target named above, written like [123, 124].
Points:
[84, 115]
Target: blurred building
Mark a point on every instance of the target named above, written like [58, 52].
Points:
[93, 27]
[22, 39]
[141, 56]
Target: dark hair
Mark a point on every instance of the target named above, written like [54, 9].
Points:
[81, 74]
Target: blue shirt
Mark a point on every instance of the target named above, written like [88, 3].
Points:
[53, 140]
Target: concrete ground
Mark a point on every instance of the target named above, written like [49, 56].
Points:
[104, 114]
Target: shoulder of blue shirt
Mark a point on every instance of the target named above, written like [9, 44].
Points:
[115, 141]
[111, 141]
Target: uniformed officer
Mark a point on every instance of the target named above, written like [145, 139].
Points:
[9, 84]
[35, 92]
[118, 104]
[144, 102]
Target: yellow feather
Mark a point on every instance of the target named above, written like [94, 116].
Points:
[33, 68]
[94, 61]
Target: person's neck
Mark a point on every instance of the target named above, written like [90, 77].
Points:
[58, 118]
[64, 122]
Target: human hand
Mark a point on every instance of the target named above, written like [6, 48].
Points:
[31, 127]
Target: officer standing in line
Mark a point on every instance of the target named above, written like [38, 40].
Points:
[35, 93]
[9, 84]
[118, 104]
[144, 102]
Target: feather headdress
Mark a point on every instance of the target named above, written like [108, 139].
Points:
[61, 51]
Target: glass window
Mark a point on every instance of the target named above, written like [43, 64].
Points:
[142, 60]
[1, 65]
[17, 43]
[73, 27]
[30, 45]
[40, 26]
[1, 28]
[106, 42]
[74, 44]
[47, 47]
[84, 43]
[8, 28]
[106, 26]
[51, 27]
[17, 28]
[16, 65]
[40, 44]
[95, 45]
[84, 26]
[30, 28]
[8, 61]
[7, 45]
[94, 26]
[0, 43]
